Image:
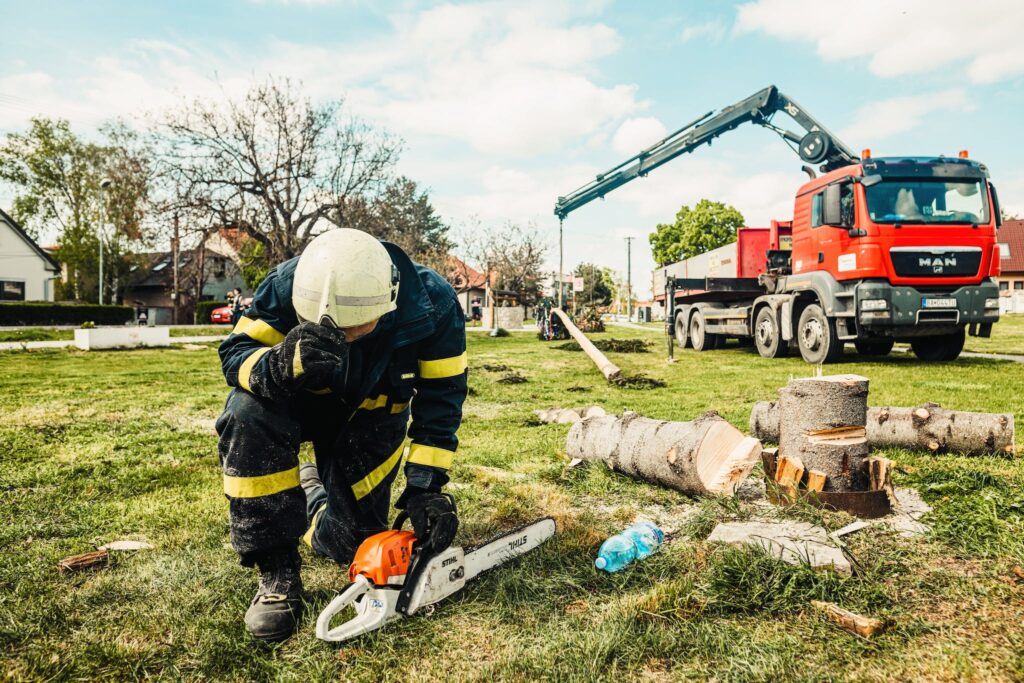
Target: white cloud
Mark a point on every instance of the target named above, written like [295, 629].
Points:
[901, 38]
[714, 31]
[637, 133]
[885, 118]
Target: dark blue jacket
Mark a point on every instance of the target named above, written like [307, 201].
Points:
[417, 350]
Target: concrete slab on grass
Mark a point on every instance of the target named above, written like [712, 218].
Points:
[790, 541]
[96, 338]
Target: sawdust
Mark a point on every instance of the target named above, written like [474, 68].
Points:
[612, 345]
[637, 382]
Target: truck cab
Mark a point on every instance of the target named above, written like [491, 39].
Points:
[899, 249]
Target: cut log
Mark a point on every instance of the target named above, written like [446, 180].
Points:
[607, 368]
[929, 428]
[822, 424]
[865, 627]
[705, 456]
[568, 415]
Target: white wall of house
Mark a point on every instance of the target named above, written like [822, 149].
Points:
[24, 274]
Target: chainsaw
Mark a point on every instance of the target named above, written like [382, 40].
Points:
[393, 576]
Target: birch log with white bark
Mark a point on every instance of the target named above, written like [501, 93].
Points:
[705, 456]
[929, 427]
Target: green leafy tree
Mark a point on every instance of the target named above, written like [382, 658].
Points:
[706, 226]
[56, 178]
[596, 288]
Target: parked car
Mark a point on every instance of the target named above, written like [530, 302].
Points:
[222, 315]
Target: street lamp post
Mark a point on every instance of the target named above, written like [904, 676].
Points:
[105, 186]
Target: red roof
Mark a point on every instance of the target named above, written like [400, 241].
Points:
[1011, 235]
[461, 271]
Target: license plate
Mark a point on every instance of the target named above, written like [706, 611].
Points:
[938, 303]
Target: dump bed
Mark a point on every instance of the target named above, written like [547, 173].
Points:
[744, 258]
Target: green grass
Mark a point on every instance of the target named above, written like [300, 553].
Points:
[102, 446]
[1007, 337]
[50, 334]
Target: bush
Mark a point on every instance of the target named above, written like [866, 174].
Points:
[44, 313]
[203, 310]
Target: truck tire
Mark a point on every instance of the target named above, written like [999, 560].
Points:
[768, 336]
[700, 338]
[816, 336]
[874, 347]
[682, 333]
[945, 347]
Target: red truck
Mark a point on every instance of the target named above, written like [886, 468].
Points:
[879, 250]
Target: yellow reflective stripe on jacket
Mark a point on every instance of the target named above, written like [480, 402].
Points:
[248, 364]
[430, 455]
[307, 537]
[374, 403]
[265, 485]
[364, 486]
[399, 408]
[257, 330]
[444, 367]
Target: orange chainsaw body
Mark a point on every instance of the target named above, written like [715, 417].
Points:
[383, 556]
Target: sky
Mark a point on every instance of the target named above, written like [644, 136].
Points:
[504, 106]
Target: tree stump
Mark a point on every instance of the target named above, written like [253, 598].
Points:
[705, 456]
[822, 423]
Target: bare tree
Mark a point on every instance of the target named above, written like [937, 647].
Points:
[273, 163]
[513, 253]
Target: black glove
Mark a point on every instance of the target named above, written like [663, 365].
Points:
[311, 356]
[433, 515]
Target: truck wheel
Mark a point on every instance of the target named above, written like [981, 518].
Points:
[816, 335]
[768, 336]
[944, 347]
[682, 336]
[699, 338]
[874, 347]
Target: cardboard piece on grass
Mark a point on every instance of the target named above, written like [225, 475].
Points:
[126, 546]
[793, 542]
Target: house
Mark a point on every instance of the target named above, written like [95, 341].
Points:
[469, 283]
[211, 268]
[27, 272]
[1011, 265]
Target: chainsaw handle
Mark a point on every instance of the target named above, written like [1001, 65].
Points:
[373, 607]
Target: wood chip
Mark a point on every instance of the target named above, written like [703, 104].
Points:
[865, 627]
[816, 480]
[91, 560]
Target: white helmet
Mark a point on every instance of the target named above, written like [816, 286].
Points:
[346, 278]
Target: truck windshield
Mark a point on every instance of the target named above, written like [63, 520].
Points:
[928, 201]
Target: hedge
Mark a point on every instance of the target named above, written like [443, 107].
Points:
[203, 310]
[43, 313]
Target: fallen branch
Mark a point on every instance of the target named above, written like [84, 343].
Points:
[90, 560]
[607, 368]
[705, 456]
[929, 427]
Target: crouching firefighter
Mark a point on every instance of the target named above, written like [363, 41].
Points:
[339, 348]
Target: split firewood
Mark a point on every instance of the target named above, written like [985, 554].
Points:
[607, 368]
[816, 480]
[880, 473]
[789, 470]
[929, 428]
[705, 456]
[865, 627]
[822, 424]
[90, 560]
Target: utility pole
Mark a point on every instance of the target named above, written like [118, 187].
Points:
[629, 279]
[175, 249]
[560, 261]
[105, 185]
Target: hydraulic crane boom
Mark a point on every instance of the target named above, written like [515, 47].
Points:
[816, 146]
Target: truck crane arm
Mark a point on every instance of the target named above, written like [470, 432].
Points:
[816, 146]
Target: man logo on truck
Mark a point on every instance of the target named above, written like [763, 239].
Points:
[937, 263]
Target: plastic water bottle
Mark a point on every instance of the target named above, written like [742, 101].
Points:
[635, 543]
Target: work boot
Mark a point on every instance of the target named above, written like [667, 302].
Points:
[309, 479]
[277, 607]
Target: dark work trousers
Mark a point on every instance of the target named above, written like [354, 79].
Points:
[357, 456]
